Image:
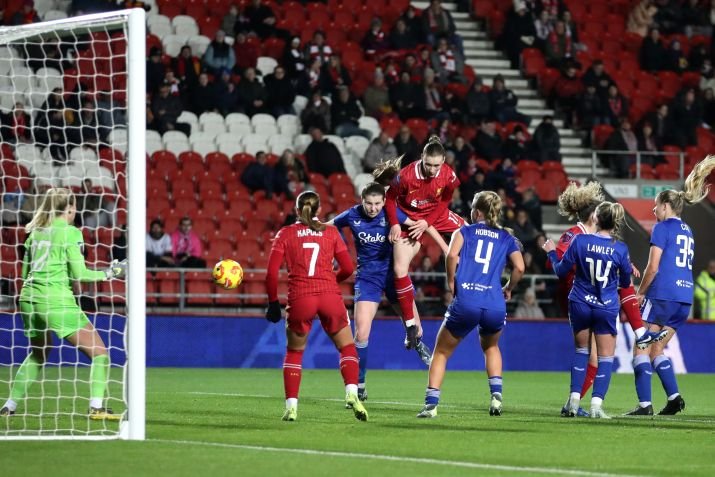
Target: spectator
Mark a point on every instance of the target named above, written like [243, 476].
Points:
[282, 96]
[517, 147]
[414, 24]
[26, 15]
[376, 98]
[707, 76]
[333, 75]
[187, 68]
[519, 32]
[119, 247]
[641, 17]
[547, 141]
[662, 123]
[616, 105]
[375, 41]
[345, 114]
[647, 142]
[406, 146]
[322, 155]
[540, 257]
[571, 28]
[261, 18]
[290, 176]
[154, 70]
[487, 143]
[406, 97]
[559, 46]
[219, 54]
[448, 64]
[459, 206]
[430, 285]
[90, 213]
[433, 106]
[503, 176]
[475, 183]
[463, 151]
[589, 109]
[251, 93]
[530, 266]
[246, 52]
[166, 110]
[531, 203]
[312, 79]
[524, 230]
[652, 53]
[87, 126]
[567, 90]
[159, 250]
[528, 307]
[227, 96]
[16, 126]
[175, 86]
[203, 96]
[401, 37]
[258, 175]
[704, 293]
[478, 103]
[318, 49]
[698, 56]
[186, 246]
[453, 107]
[675, 59]
[316, 113]
[235, 21]
[687, 117]
[622, 139]
[503, 103]
[543, 26]
[437, 22]
[709, 107]
[380, 149]
[695, 18]
[294, 60]
[596, 75]
[669, 16]
[50, 126]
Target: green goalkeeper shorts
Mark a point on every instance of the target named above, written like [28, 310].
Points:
[63, 320]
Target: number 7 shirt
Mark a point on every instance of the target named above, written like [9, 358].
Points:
[309, 256]
[602, 264]
[674, 280]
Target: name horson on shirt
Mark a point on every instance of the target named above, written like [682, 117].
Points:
[365, 237]
[309, 233]
[487, 232]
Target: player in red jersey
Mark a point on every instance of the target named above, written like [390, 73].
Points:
[423, 191]
[308, 248]
[579, 203]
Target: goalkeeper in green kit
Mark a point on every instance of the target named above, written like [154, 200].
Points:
[53, 259]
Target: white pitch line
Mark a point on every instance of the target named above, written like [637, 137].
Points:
[394, 458]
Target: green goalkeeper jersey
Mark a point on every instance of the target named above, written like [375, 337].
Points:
[53, 257]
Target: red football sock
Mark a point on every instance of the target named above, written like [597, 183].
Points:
[349, 367]
[292, 372]
[629, 304]
[405, 297]
[590, 376]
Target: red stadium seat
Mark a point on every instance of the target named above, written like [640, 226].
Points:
[210, 189]
[230, 228]
[420, 129]
[164, 161]
[547, 192]
[219, 249]
[196, 288]
[214, 208]
[667, 172]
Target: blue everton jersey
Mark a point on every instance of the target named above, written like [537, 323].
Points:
[374, 250]
[481, 263]
[674, 280]
[602, 265]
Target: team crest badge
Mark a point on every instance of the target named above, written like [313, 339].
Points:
[382, 222]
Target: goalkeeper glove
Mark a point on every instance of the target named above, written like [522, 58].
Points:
[273, 312]
[116, 269]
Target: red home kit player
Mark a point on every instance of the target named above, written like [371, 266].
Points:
[308, 248]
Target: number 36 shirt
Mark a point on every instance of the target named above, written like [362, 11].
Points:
[602, 266]
[674, 280]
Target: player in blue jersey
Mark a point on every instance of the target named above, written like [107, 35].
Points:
[602, 266]
[370, 228]
[481, 250]
[666, 291]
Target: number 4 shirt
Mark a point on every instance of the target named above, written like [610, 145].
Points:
[602, 266]
[674, 280]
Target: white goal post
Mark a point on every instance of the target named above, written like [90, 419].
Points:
[126, 187]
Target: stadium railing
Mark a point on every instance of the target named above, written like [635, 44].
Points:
[675, 159]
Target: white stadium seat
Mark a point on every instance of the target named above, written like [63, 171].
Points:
[239, 129]
[174, 136]
[204, 147]
[199, 44]
[262, 118]
[266, 65]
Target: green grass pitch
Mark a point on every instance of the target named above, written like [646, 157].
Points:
[215, 422]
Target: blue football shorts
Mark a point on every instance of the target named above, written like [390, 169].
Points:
[461, 318]
[664, 312]
[602, 321]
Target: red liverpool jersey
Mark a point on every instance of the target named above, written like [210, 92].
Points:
[309, 255]
[565, 284]
[421, 197]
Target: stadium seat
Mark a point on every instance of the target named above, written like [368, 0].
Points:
[210, 189]
[211, 121]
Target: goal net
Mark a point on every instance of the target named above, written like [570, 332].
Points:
[72, 115]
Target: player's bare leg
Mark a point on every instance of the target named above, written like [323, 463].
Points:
[493, 364]
[443, 349]
[90, 343]
[404, 250]
[343, 341]
[364, 314]
[293, 372]
[40, 347]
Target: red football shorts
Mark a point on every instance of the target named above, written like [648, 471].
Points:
[446, 224]
[301, 312]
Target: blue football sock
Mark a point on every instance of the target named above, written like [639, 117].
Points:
[578, 369]
[603, 377]
[361, 347]
[495, 384]
[432, 396]
[643, 371]
[664, 368]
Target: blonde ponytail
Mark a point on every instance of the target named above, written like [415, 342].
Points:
[490, 205]
[611, 216]
[387, 170]
[54, 204]
[694, 190]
